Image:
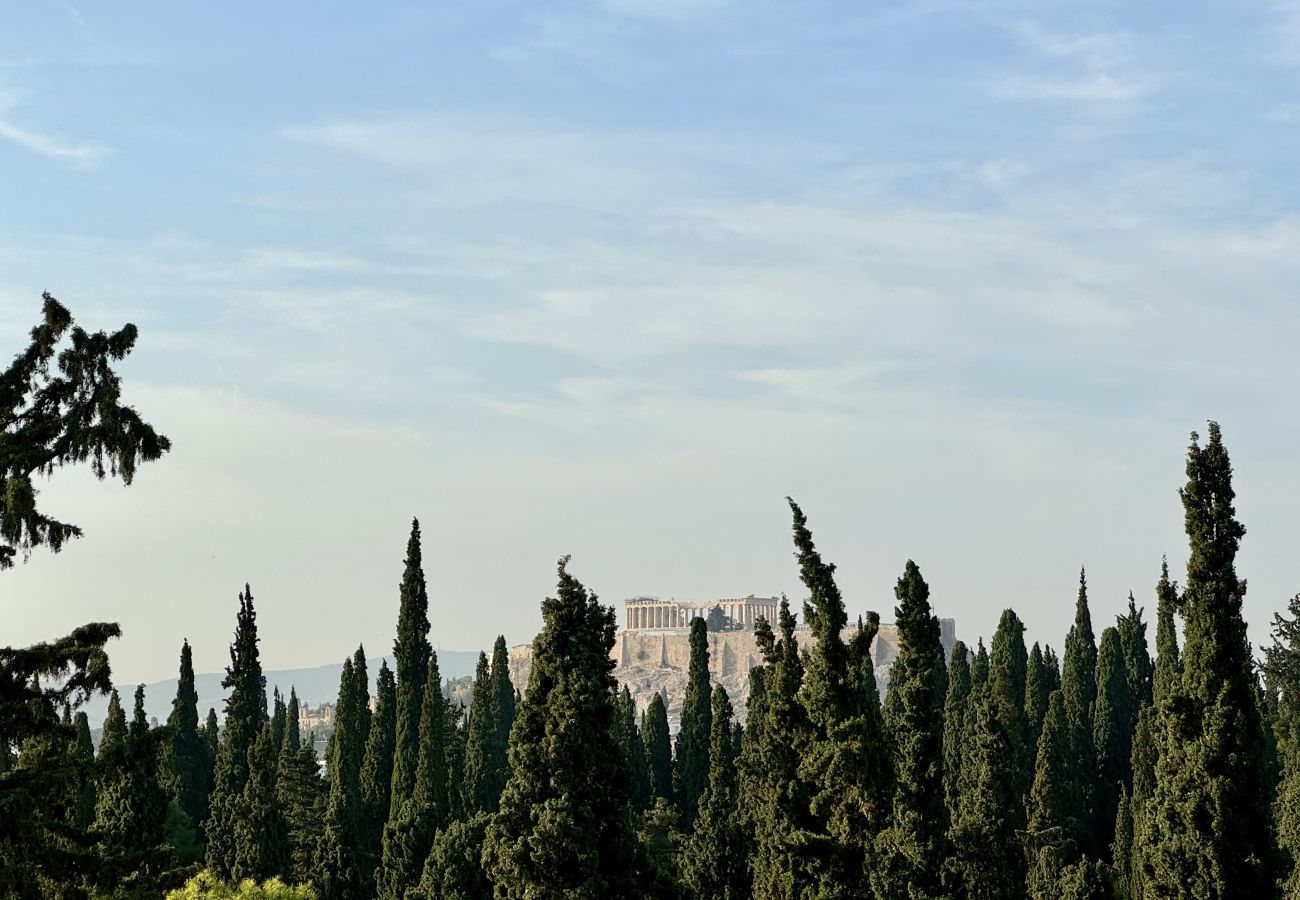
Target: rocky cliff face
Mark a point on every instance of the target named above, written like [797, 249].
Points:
[650, 662]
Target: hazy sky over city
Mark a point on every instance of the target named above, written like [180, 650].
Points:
[613, 278]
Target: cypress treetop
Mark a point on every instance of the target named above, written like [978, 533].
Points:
[411, 651]
[691, 762]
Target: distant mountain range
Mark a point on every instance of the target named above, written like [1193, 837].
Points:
[315, 686]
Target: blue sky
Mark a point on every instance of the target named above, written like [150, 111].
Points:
[612, 278]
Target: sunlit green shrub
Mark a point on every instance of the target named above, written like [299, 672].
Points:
[206, 886]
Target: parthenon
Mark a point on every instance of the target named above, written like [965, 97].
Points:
[654, 613]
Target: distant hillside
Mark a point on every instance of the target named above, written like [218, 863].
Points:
[315, 685]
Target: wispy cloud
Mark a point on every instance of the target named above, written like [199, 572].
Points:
[80, 153]
[1094, 67]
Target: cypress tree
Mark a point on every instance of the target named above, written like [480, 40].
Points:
[262, 844]
[715, 859]
[278, 718]
[1138, 667]
[245, 716]
[629, 738]
[1053, 837]
[113, 733]
[1282, 677]
[1112, 736]
[1038, 688]
[341, 856]
[658, 749]
[913, 848]
[455, 730]
[564, 826]
[979, 667]
[777, 799]
[409, 835]
[1169, 664]
[454, 870]
[212, 735]
[187, 774]
[691, 761]
[300, 793]
[361, 703]
[847, 758]
[1008, 675]
[954, 719]
[83, 791]
[987, 861]
[377, 771]
[479, 742]
[411, 651]
[503, 713]
[1079, 691]
[1212, 820]
[131, 805]
[1121, 849]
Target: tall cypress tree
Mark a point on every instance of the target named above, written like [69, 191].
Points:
[503, 713]
[262, 843]
[913, 848]
[988, 861]
[1112, 736]
[411, 651]
[1008, 674]
[113, 732]
[847, 761]
[245, 716]
[482, 734]
[1213, 824]
[409, 834]
[1138, 666]
[187, 775]
[279, 716]
[979, 666]
[564, 826]
[1054, 833]
[1038, 689]
[300, 793]
[131, 805]
[1169, 664]
[658, 749]
[212, 736]
[341, 858]
[629, 738]
[691, 762]
[715, 859]
[1282, 677]
[83, 787]
[954, 719]
[1079, 691]
[377, 771]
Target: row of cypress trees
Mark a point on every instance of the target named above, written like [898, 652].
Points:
[1006, 772]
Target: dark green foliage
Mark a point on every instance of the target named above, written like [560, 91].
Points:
[187, 770]
[1121, 849]
[131, 806]
[262, 841]
[776, 799]
[979, 666]
[659, 844]
[409, 833]
[83, 782]
[658, 749]
[987, 862]
[1169, 664]
[564, 826]
[845, 760]
[245, 716]
[278, 718]
[1282, 676]
[454, 870]
[1079, 690]
[377, 768]
[51, 419]
[912, 849]
[1138, 667]
[411, 650]
[343, 863]
[482, 735]
[1038, 688]
[629, 738]
[954, 719]
[1053, 839]
[301, 795]
[454, 730]
[1112, 735]
[1212, 818]
[715, 859]
[691, 761]
[503, 713]
[211, 733]
[1087, 879]
[113, 733]
[1008, 675]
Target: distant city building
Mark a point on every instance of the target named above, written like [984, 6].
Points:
[655, 613]
[320, 717]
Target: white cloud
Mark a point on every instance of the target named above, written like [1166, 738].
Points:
[81, 153]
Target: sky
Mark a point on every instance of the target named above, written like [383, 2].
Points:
[613, 278]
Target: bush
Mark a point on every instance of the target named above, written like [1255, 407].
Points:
[206, 886]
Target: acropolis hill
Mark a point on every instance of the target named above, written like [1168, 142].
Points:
[652, 650]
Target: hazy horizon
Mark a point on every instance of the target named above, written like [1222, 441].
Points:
[611, 279]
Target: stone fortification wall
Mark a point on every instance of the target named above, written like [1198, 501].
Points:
[650, 662]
